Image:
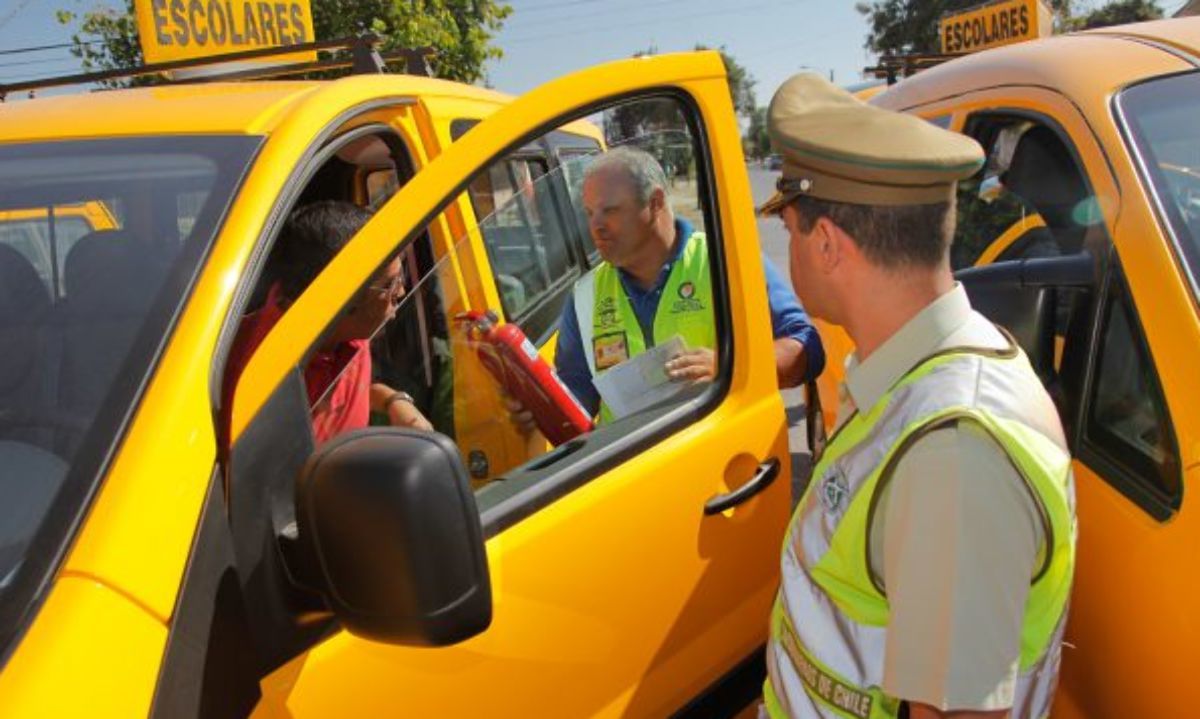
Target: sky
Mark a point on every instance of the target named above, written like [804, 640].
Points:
[543, 39]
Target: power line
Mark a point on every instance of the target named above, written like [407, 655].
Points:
[625, 26]
[20, 6]
[56, 46]
[539, 22]
[43, 61]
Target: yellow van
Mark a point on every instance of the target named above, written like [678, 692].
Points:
[165, 554]
[1082, 233]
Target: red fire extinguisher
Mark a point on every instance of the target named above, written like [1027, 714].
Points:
[513, 360]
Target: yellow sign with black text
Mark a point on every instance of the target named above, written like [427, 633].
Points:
[994, 24]
[186, 29]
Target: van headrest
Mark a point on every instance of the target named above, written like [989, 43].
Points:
[24, 305]
[112, 272]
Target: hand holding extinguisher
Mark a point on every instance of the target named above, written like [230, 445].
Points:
[514, 362]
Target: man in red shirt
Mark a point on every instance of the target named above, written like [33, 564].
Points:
[341, 393]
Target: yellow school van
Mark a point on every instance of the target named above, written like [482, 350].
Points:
[1082, 235]
[167, 551]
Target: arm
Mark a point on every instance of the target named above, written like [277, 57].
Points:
[570, 361]
[960, 540]
[799, 355]
[400, 412]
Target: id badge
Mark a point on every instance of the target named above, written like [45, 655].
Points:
[610, 350]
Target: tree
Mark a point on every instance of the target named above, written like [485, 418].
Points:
[459, 31]
[1119, 12]
[757, 142]
[901, 27]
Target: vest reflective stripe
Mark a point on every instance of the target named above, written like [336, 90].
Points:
[840, 605]
[685, 308]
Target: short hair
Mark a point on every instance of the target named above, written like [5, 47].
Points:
[640, 166]
[311, 237]
[889, 236]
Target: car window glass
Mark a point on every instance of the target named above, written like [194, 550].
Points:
[462, 360]
[1031, 199]
[1127, 419]
[94, 266]
[527, 239]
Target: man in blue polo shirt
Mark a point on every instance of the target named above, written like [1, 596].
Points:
[655, 283]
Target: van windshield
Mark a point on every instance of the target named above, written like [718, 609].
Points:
[99, 243]
[1161, 119]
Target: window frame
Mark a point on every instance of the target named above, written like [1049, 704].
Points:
[1123, 468]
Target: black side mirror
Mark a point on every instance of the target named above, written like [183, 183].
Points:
[390, 535]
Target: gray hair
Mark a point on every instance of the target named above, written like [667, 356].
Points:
[640, 166]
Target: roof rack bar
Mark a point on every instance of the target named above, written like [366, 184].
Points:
[891, 66]
[367, 41]
[255, 73]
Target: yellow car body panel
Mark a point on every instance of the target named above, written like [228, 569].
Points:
[108, 646]
[1131, 625]
[117, 593]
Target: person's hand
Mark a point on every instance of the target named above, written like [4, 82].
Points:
[402, 413]
[521, 418]
[698, 365]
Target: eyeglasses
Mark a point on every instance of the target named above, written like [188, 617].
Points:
[393, 287]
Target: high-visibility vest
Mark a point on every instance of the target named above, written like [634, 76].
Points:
[829, 624]
[609, 329]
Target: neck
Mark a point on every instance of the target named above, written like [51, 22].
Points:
[887, 300]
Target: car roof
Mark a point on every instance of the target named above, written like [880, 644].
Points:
[209, 108]
[1078, 64]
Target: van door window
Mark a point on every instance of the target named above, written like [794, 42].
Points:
[1127, 420]
[526, 240]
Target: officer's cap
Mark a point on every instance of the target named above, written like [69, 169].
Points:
[838, 148]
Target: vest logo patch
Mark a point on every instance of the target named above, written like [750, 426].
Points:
[687, 301]
[606, 314]
[833, 490]
[610, 350]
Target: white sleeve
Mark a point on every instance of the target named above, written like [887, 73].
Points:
[961, 538]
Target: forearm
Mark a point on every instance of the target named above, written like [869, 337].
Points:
[791, 362]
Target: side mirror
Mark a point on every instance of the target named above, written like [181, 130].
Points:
[389, 533]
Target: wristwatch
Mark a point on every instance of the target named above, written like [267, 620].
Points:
[399, 395]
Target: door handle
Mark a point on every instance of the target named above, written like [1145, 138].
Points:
[763, 476]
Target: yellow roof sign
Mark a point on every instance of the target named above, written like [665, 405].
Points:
[997, 23]
[186, 29]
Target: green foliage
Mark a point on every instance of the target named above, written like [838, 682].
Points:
[757, 143]
[911, 26]
[1119, 12]
[460, 31]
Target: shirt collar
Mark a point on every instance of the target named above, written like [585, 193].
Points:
[683, 230]
[920, 337]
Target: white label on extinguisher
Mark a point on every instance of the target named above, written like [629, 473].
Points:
[567, 390]
[529, 350]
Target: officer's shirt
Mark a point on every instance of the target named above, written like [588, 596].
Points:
[956, 537]
[788, 319]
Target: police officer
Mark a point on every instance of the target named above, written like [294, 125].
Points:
[927, 568]
[655, 283]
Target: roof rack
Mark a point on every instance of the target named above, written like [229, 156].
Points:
[363, 59]
[893, 67]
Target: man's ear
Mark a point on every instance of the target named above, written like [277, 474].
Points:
[829, 244]
[658, 200]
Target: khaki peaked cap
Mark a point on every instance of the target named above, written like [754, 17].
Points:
[838, 148]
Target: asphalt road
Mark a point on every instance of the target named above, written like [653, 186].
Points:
[774, 242]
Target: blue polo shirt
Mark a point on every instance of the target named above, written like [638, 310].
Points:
[788, 319]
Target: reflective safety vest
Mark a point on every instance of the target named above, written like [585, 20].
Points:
[610, 330]
[829, 624]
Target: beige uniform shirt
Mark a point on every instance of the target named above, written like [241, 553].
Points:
[956, 535]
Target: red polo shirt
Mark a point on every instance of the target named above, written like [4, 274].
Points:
[338, 381]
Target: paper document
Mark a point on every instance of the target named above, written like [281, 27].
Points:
[641, 381]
